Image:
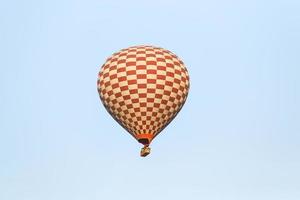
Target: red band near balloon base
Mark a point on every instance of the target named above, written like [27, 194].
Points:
[145, 139]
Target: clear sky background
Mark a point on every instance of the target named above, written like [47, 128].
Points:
[237, 137]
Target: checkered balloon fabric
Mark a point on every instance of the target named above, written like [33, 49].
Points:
[143, 88]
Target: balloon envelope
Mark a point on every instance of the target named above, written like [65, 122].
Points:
[143, 88]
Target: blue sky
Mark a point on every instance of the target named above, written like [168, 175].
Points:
[237, 137]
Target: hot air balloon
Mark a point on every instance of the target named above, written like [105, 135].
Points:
[143, 88]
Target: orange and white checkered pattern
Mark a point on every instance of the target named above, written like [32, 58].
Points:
[143, 88]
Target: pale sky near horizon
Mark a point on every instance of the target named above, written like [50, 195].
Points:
[237, 137]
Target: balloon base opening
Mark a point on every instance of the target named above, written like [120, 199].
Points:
[145, 151]
[144, 141]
